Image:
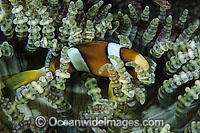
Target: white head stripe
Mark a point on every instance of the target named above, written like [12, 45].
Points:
[77, 60]
[114, 49]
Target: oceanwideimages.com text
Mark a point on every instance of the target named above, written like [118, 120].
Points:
[41, 121]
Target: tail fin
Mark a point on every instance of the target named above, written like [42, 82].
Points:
[24, 78]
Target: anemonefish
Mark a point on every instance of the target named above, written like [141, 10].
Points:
[163, 3]
[88, 57]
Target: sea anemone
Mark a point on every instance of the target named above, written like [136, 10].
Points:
[33, 32]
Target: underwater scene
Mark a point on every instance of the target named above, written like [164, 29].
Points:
[98, 66]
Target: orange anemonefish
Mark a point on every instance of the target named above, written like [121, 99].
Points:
[89, 57]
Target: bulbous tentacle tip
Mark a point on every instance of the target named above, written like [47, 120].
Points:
[141, 61]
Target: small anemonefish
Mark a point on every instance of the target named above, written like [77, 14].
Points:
[163, 3]
[89, 57]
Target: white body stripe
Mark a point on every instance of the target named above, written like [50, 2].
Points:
[77, 60]
[114, 49]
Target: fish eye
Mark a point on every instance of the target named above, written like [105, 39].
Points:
[129, 68]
